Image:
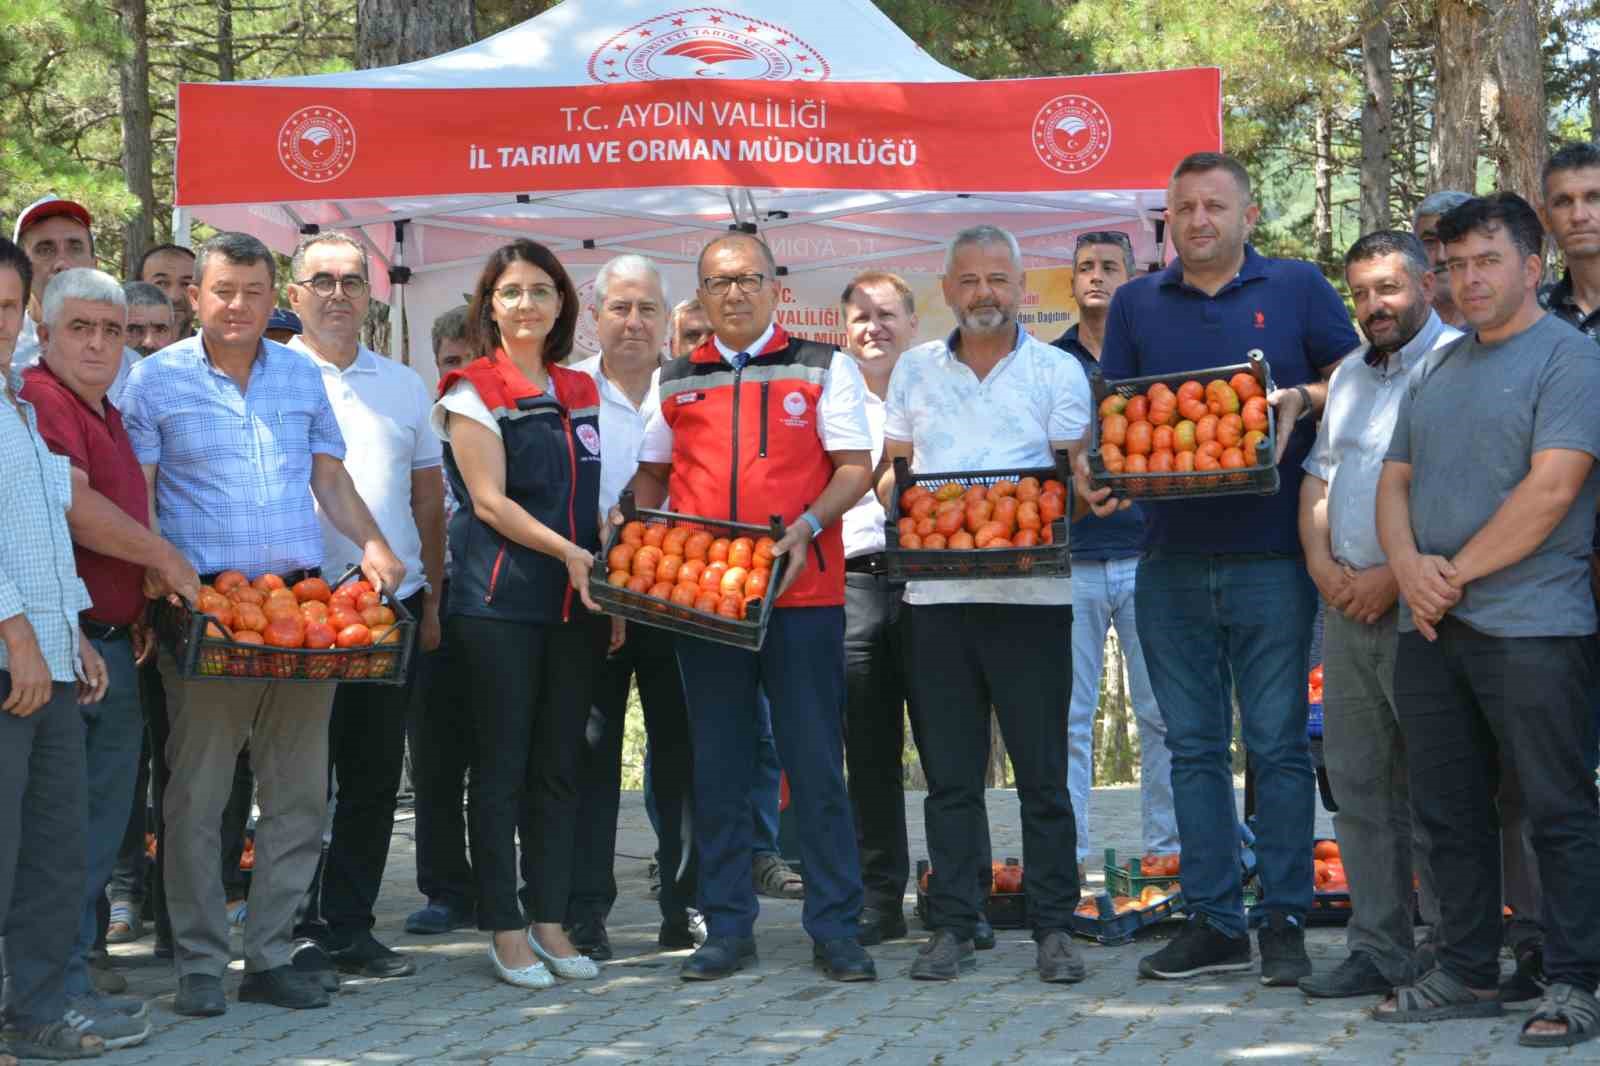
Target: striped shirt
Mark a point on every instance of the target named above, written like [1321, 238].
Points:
[233, 478]
[38, 578]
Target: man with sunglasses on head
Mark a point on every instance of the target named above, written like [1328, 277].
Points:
[788, 416]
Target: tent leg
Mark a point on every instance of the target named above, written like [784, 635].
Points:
[180, 228]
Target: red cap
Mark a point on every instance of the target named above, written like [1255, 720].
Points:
[50, 207]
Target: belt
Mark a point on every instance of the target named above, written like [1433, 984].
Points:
[866, 564]
[100, 631]
[289, 579]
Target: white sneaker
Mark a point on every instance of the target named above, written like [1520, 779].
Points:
[531, 976]
[576, 968]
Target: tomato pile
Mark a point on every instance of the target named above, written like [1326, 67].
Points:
[1159, 865]
[1006, 514]
[1199, 427]
[1005, 878]
[684, 565]
[1149, 897]
[309, 615]
[1314, 685]
[1327, 867]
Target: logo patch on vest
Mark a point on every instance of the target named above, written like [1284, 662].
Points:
[688, 397]
[795, 405]
[589, 437]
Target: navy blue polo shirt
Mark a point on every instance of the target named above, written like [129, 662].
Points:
[1120, 535]
[1158, 324]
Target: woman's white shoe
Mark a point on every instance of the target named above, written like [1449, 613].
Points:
[576, 968]
[531, 976]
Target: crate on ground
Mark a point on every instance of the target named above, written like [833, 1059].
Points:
[1258, 476]
[637, 605]
[1106, 925]
[1005, 910]
[203, 649]
[1127, 879]
[1048, 556]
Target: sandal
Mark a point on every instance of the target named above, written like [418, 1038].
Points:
[124, 926]
[1564, 1003]
[1435, 997]
[55, 1041]
[775, 880]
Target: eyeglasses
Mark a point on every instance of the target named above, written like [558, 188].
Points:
[354, 285]
[512, 295]
[719, 284]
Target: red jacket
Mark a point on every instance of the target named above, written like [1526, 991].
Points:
[745, 447]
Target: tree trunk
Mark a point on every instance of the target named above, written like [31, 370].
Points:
[399, 31]
[225, 64]
[1322, 222]
[1458, 50]
[134, 74]
[1376, 114]
[1519, 65]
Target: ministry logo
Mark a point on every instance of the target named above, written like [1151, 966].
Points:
[706, 42]
[317, 143]
[1071, 134]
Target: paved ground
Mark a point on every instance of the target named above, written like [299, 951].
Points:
[454, 1011]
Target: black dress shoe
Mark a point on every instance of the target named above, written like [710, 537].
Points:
[309, 958]
[983, 933]
[844, 960]
[368, 958]
[877, 925]
[687, 932]
[200, 996]
[719, 956]
[283, 986]
[589, 936]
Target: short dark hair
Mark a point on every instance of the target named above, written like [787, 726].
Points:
[728, 238]
[16, 259]
[1384, 242]
[138, 271]
[881, 277]
[1105, 236]
[1577, 155]
[1200, 162]
[483, 335]
[1486, 214]
[240, 249]
[450, 326]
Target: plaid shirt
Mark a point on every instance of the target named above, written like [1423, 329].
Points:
[233, 479]
[38, 578]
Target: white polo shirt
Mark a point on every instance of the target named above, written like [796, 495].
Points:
[383, 409]
[954, 422]
[621, 432]
[863, 523]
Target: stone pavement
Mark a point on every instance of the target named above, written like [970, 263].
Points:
[454, 1011]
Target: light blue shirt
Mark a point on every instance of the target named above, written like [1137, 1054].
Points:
[233, 479]
[38, 578]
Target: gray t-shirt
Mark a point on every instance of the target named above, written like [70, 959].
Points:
[1469, 428]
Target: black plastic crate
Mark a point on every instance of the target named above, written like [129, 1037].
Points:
[964, 564]
[1259, 479]
[199, 657]
[1005, 910]
[746, 633]
[1108, 927]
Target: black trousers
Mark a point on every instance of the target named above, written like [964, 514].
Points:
[1017, 660]
[530, 687]
[1464, 700]
[439, 727]
[648, 655]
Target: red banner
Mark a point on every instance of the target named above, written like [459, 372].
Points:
[258, 143]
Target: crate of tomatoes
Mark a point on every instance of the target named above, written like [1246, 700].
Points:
[1176, 436]
[1006, 906]
[978, 524]
[266, 629]
[1115, 919]
[699, 576]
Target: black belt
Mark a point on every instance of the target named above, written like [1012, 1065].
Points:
[100, 631]
[289, 580]
[866, 564]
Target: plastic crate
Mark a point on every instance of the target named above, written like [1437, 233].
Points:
[1110, 928]
[943, 564]
[1126, 880]
[746, 633]
[182, 630]
[1261, 479]
[1005, 910]
[1314, 720]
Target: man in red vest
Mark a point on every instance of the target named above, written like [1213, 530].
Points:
[754, 423]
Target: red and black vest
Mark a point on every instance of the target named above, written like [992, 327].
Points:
[746, 446]
[552, 444]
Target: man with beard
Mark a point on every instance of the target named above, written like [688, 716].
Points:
[1391, 283]
[150, 318]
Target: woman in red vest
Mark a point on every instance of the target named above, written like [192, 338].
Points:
[522, 451]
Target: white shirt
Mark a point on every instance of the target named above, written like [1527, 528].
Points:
[954, 422]
[841, 414]
[863, 523]
[382, 408]
[621, 431]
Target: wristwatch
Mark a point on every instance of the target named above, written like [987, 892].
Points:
[811, 520]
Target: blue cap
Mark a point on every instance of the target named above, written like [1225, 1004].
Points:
[281, 319]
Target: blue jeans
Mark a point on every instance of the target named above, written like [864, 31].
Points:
[1102, 596]
[1213, 626]
[113, 732]
[764, 795]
